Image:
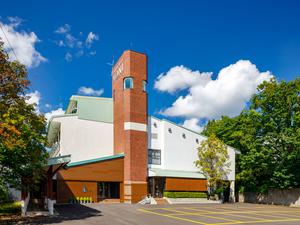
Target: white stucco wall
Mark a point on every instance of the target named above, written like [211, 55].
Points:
[85, 139]
[178, 153]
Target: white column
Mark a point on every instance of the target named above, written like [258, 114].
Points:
[232, 191]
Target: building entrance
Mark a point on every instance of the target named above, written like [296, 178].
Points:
[156, 186]
[108, 190]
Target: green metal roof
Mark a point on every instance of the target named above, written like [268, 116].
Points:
[95, 160]
[59, 160]
[156, 172]
[92, 108]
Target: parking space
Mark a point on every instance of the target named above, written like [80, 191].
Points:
[226, 214]
[187, 214]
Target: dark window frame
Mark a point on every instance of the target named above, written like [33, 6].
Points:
[157, 156]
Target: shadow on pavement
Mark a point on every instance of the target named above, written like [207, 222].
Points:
[66, 213]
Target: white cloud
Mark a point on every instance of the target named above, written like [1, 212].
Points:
[55, 112]
[193, 124]
[34, 98]
[75, 45]
[63, 29]
[91, 38]
[68, 57]
[22, 42]
[179, 78]
[208, 98]
[90, 91]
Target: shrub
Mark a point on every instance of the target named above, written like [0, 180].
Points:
[10, 208]
[172, 194]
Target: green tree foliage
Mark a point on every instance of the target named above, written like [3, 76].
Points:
[213, 161]
[22, 130]
[268, 136]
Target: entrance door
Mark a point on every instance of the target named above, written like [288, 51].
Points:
[156, 186]
[108, 190]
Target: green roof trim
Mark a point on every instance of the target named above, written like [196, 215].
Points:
[92, 108]
[156, 172]
[59, 160]
[79, 163]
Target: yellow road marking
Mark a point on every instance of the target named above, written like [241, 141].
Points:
[257, 221]
[247, 212]
[204, 215]
[173, 217]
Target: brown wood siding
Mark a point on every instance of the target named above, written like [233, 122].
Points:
[111, 170]
[139, 191]
[72, 189]
[185, 184]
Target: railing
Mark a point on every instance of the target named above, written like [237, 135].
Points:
[55, 150]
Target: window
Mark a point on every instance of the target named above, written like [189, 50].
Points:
[144, 86]
[128, 83]
[154, 135]
[155, 125]
[197, 140]
[154, 157]
[170, 130]
[183, 135]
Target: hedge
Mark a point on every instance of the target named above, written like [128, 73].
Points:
[172, 194]
[10, 208]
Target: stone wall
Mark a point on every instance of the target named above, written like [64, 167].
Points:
[289, 197]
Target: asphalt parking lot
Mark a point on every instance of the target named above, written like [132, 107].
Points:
[217, 214]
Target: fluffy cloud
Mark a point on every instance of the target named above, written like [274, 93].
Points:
[34, 98]
[75, 45]
[208, 98]
[22, 43]
[193, 124]
[91, 38]
[55, 112]
[179, 78]
[90, 91]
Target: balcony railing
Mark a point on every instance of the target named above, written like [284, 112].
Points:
[55, 150]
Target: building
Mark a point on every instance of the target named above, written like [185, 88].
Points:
[110, 148]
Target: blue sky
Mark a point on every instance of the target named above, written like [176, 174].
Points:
[203, 36]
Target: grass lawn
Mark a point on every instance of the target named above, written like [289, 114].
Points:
[9, 208]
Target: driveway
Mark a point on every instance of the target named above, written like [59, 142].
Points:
[217, 214]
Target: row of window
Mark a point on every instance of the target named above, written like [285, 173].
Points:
[154, 135]
[128, 83]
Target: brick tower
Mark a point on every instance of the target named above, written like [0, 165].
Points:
[129, 79]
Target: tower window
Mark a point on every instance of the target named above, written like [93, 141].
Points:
[128, 83]
[197, 140]
[170, 130]
[144, 86]
[183, 135]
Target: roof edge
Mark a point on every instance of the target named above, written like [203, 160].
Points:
[84, 162]
[236, 150]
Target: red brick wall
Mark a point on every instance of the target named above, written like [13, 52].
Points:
[131, 105]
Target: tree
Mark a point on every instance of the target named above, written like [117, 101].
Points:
[213, 161]
[268, 136]
[22, 130]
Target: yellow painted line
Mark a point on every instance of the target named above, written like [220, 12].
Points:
[203, 215]
[173, 217]
[257, 221]
[243, 212]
